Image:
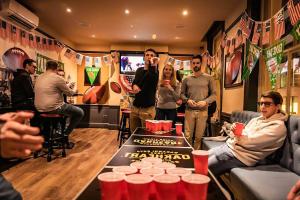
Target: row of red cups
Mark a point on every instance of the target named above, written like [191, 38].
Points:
[118, 186]
[162, 125]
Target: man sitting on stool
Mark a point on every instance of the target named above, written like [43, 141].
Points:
[49, 90]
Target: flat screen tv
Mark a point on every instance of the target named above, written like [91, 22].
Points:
[130, 62]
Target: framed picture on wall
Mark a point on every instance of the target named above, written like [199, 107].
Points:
[233, 68]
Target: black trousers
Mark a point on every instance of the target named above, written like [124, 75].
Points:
[7, 192]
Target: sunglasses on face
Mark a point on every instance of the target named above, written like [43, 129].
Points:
[266, 103]
[196, 63]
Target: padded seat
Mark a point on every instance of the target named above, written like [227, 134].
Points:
[265, 182]
[209, 144]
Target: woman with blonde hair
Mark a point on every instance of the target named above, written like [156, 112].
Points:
[168, 93]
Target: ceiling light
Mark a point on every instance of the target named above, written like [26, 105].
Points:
[127, 12]
[177, 38]
[185, 13]
[93, 36]
[154, 36]
[131, 26]
[68, 10]
[134, 36]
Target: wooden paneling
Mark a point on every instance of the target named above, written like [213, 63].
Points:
[63, 178]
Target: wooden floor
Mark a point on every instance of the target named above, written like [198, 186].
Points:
[63, 178]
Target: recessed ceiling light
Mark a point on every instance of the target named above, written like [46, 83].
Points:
[134, 36]
[127, 12]
[93, 36]
[68, 10]
[154, 36]
[185, 12]
[177, 38]
[131, 26]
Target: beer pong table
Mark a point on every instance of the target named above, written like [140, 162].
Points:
[142, 143]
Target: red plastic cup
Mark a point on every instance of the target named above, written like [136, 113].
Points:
[111, 185]
[164, 125]
[195, 186]
[148, 124]
[155, 126]
[178, 128]
[166, 186]
[165, 166]
[138, 186]
[200, 161]
[152, 172]
[126, 170]
[166, 82]
[152, 160]
[179, 171]
[159, 125]
[238, 129]
[141, 165]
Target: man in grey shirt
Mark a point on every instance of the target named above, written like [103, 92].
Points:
[49, 89]
[198, 91]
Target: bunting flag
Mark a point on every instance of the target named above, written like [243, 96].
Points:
[106, 59]
[4, 30]
[88, 61]
[226, 49]
[50, 45]
[273, 56]
[24, 38]
[186, 65]
[69, 54]
[45, 44]
[177, 64]
[170, 60]
[244, 23]
[232, 46]
[14, 33]
[239, 38]
[256, 33]
[58, 46]
[266, 32]
[296, 31]
[279, 27]
[92, 73]
[97, 61]
[32, 43]
[252, 56]
[38, 42]
[294, 11]
[223, 42]
[249, 28]
[79, 58]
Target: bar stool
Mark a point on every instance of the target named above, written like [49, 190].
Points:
[124, 130]
[52, 125]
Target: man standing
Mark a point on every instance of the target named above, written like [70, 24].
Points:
[198, 90]
[49, 90]
[22, 94]
[144, 87]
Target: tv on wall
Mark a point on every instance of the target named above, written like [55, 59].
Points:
[130, 62]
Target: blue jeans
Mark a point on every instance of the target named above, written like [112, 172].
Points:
[73, 112]
[166, 114]
[7, 191]
[222, 160]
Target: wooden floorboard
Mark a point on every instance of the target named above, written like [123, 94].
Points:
[63, 178]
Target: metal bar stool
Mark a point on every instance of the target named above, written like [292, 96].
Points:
[52, 126]
[124, 130]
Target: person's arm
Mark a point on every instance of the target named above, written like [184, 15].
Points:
[28, 87]
[62, 86]
[176, 92]
[150, 78]
[294, 193]
[17, 139]
[212, 91]
[183, 90]
[254, 139]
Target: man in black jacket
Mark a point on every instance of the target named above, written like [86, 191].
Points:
[22, 93]
[144, 87]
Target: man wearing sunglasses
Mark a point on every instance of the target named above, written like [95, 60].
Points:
[144, 87]
[261, 137]
[198, 91]
[22, 94]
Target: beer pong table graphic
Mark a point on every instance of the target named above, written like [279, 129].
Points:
[141, 144]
